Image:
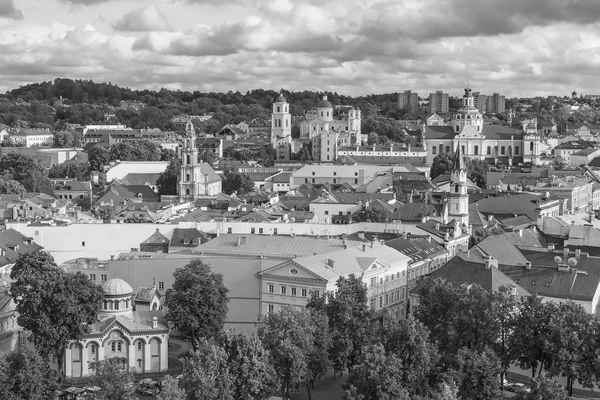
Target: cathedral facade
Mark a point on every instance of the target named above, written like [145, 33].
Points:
[495, 144]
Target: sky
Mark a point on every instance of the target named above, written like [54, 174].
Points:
[520, 48]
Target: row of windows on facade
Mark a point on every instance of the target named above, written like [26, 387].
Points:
[476, 150]
[103, 277]
[116, 346]
[278, 123]
[293, 290]
[334, 179]
[69, 196]
[389, 298]
[8, 323]
[253, 231]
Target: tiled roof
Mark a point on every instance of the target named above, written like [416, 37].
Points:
[156, 238]
[416, 211]
[257, 216]
[140, 179]
[133, 321]
[417, 248]
[520, 204]
[145, 295]
[354, 198]
[282, 177]
[572, 145]
[521, 220]
[353, 260]
[187, 236]
[459, 271]
[274, 246]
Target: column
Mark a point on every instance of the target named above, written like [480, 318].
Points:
[68, 362]
[100, 352]
[147, 358]
[131, 355]
[84, 361]
[164, 357]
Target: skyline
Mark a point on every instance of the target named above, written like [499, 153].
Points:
[522, 49]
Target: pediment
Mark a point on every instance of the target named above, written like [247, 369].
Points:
[290, 270]
[469, 132]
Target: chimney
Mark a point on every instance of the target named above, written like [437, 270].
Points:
[566, 252]
[520, 232]
[490, 262]
[218, 232]
[345, 244]
[154, 322]
[437, 226]
[364, 248]
[550, 246]
[372, 243]
[577, 253]
[528, 265]
[572, 222]
[112, 256]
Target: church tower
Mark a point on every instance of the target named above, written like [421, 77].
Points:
[190, 168]
[281, 119]
[458, 202]
[468, 115]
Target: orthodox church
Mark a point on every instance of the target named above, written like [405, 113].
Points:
[320, 127]
[492, 143]
[140, 339]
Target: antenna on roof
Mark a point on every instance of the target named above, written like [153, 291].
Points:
[154, 282]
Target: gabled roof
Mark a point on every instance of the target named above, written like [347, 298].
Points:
[353, 260]
[416, 211]
[257, 216]
[459, 271]
[156, 238]
[417, 247]
[145, 295]
[133, 321]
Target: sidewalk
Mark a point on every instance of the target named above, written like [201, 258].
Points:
[326, 388]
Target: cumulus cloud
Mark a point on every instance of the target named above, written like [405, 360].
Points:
[143, 20]
[8, 10]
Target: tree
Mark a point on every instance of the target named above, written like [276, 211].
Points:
[289, 337]
[249, 364]
[373, 214]
[477, 171]
[480, 234]
[376, 377]
[318, 359]
[72, 171]
[170, 390]
[409, 341]
[167, 154]
[479, 371]
[114, 378]
[206, 375]
[54, 306]
[98, 157]
[26, 375]
[506, 310]
[167, 181]
[544, 388]
[197, 302]
[37, 182]
[208, 157]
[11, 186]
[140, 150]
[442, 164]
[349, 320]
[237, 182]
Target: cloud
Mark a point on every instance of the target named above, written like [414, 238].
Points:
[143, 20]
[8, 10]
[86, 2]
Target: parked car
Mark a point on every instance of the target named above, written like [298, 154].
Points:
[148, 387]
[517, 387]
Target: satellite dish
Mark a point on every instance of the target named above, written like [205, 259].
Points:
[572, 261]
[558, 259]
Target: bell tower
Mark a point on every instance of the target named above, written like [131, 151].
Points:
[458, 202]
[187, 186]
[281, 119]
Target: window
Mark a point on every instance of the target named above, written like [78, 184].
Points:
[489, 150]
[476, 150]
[82, 244]
[372, 304]
[161, 286]
[229, 230]
[316, 292]
[517, 150]
[326, 212]
[456, 189]
[381, 281]
[373, 281]
[93, 277]
[403, 292]
[283, 290]
[260, 230]
[139, 346]
[271, 308]
[274, 231]
[117, 307]
[387, 298]
[271, 288]
[462, 148]
[380, 301]
[356, 181]
[293, 291]
[103, 278]
[252, 231]
[303, 291]
[334, 173]
[93, 349]
[433, 150]
[531, 146]
[502, 150]
[447, 149]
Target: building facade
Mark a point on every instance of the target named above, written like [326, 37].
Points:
[496, 104]
[438, 102]
[139, 339]
[410, 99]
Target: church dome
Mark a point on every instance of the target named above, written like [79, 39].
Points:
[281, 99]
[116, 287]
[324, 103]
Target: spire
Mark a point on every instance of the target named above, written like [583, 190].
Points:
[459, 161]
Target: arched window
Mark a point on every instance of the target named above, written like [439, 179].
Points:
[476, 150]
[531, 146]
[119, 346]
[113, 346]
[116, 304]
[187, 159]
[478, 127]
[457, 128]
[187, 191]
[278, 109]
[456, 189]
[93, 349]
[139, 346]
[187, 177]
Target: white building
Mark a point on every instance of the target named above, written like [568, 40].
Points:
[33, 137]
[121, 169]
[140, 339]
